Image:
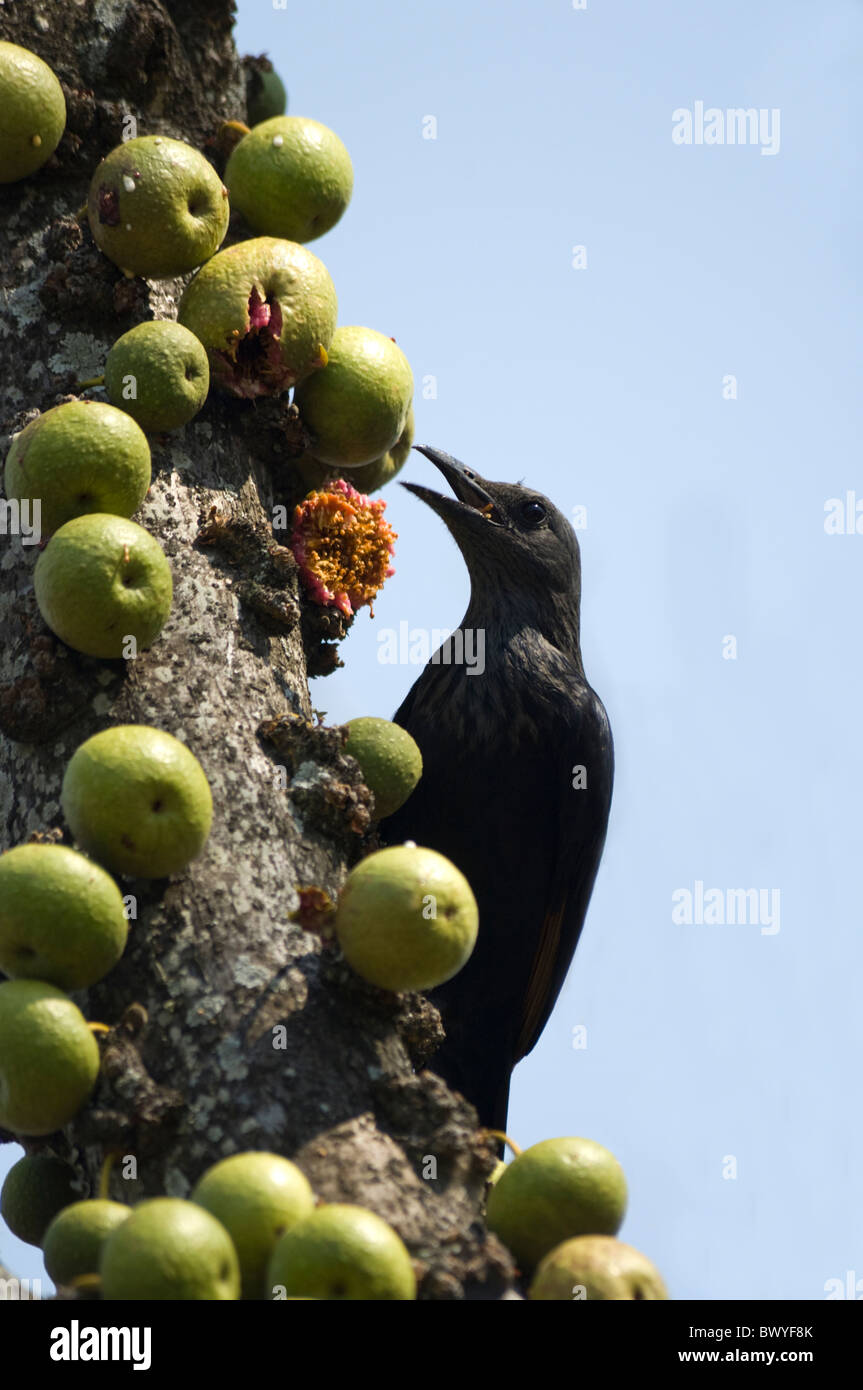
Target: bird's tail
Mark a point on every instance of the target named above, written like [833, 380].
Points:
[499, 1108]
[500, 1104]
[487, 1088]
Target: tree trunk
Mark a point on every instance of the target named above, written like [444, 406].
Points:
[232, 1026]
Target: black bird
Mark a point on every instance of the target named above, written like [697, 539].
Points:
[518, 766]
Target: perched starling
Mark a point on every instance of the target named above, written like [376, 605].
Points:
[518, 766]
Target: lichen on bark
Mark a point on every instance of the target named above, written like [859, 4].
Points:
[232, 1026]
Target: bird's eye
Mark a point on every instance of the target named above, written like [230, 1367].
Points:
[533, 513]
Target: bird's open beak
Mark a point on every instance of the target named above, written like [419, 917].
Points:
[468, 487]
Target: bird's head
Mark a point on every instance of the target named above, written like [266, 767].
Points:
[515, 542]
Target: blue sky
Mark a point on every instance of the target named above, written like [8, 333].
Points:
[709, 1047]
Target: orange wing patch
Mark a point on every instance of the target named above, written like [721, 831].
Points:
[539, 984]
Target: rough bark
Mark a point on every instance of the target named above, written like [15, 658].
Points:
[214, 961]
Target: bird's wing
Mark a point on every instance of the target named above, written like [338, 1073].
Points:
[581, 836]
